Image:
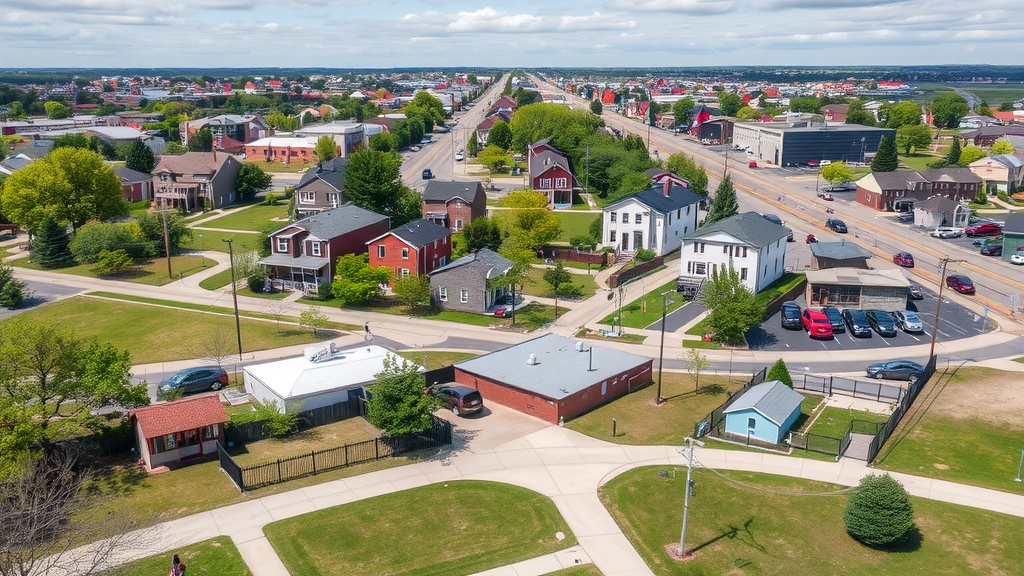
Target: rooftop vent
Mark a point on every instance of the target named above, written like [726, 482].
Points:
[532, 360]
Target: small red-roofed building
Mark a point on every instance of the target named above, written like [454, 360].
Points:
[170, 433]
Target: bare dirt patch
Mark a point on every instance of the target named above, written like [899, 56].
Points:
[980, 393]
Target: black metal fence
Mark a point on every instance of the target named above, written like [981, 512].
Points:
[440, 375]
[886, 430]
[828, 385]
[105, 442]
[712, 421]
[268, 473]
[240, 433]
[816, 443]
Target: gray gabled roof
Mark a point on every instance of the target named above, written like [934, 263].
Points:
[129, 175]
[1014, 224]
[654, 198]
[545, 160]
[336, 221]
[842, 250]
[773, 400]
[493, 263]
[417, 233]
[445, 190]
[937, 204]
[1009, 160]
[332, 172]
[749, 227]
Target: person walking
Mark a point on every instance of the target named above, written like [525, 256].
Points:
[366, 333]
[177, 566]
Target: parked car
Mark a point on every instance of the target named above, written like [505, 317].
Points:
[835, 317]
[946, 232]
[426, 140]
[816, 323]
[989, 241]
[907, 321]
[460, 156]
[905, 217]
[197, 379]
[857, 322]
[905, 259]
[1017, 258]
[461, 400]
[895, 370]
[960, 283]
[993, 250]
[503, 312]
[427, 174]
[836, 225]
[881, 322]
[842, 187]
[984, 229]
[826, 196]
[791, 316]
[753, 164]
[915, 291]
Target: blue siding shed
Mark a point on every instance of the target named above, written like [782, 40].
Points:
[764, 412]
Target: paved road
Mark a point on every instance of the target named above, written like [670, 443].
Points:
[39, 293]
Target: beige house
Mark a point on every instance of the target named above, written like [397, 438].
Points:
[857, 288]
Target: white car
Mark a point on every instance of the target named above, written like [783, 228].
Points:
[1017, 258]
[459, 156]
[946, 232]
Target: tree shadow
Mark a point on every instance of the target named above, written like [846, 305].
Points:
[741, 534]
[118, 478]
[758, 338]
[911, 542]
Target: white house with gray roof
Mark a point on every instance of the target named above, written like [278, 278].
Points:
[755, 247]
[654, 219]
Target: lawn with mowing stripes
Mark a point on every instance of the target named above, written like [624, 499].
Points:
[149, 272]
[443, 529]
[257, 218]
[641, 312]
[214, 557]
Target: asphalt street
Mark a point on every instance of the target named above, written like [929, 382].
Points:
[39, 293]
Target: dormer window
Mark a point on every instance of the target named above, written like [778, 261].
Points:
[282, 245]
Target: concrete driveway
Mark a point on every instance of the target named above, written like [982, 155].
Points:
[494, 426]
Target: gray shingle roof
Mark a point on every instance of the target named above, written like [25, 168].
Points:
[654, 197]
[839, 250]
[546, 159]
[332, 172]
[192, 163]
[937, 204]
[1009, 160]
[560, 371]
[495, 264]
[336, 221]
[773, 400]
[748, 227]
[1014, 224]
[129, 175]
[418, 233]
[445, 190]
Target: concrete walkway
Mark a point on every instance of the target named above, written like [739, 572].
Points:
[564, 465]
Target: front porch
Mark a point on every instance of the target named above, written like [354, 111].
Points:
[302, 273]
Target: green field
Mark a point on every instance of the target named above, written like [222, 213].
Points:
[256, 218]
[758, 527]
[459, 527]
[834, 422]
[536, 286]
[641, 312]
[215, 557]
[274, 167]
[149, 272]
[436, 358]
[575, 224]
[214, 240]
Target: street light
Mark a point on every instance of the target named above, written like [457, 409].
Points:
[234, 295]
[665, 299]
[686, 500]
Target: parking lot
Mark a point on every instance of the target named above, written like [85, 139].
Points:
[957, 322]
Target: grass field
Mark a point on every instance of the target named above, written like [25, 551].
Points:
[274, 167]
[214, 557]
[436, 358]
[532, 316]
[216, 281]
[536, 286]
[333, 435]
[636, 315]
[214, 240]
[449, 528]
[149, 272]
[575, 224]
[738, 529]
[834, 422]
[257, 218]
[157, 334]
[918, 161]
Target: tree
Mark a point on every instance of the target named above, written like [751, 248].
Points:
[524, 199]
[837, 172]
[70, 185]
[970, 154]
[686, 167]
[856, 114]
[277, 309]
[16, 110]
[724, 204]
[596, 107]
[373, 181]
[413, 291]
[913, 136]
[326, 148]
[113, 262]
[313, 318]
[953, 156]
[174, 149]
[482, 233]
[729, 103]
[252, 180]
[140, 157]
[95, 238]
[201, 141]
[681, 111]
[494, 157]
[887, 158]
[397, 404]
[695, 363]
[356, 282]
[12, 290]
[630, 184]
[152, 228]
[879, 513]
[947, 110]
[56, 110]
[500, 135]
[779, 372]
[557, 276]
[531, 224]
[905, 113]
[50, 245]
[733, 308]
[747, 113]
[980, 197]
[1001, 146]
[72, 140]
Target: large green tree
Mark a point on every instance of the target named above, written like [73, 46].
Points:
[856, 114]
[879, 513]
[12, 290]
[913, 136]
[565, 128]
[140, 157]
[201, 141]
[482, 233]
[970, 154]
[681, 111]
[252, 180]
[732, 307]
[837, 172]
[905, 113]
[947, 110]
[413, 291]
[50, 245]
[57, 110]
[397, 404]
[530, 224]
[687, 167]
[1001, 146]
[356, 282]
[887, 157]
[729, 103]
[70, 185]
[596, 107]
[373, 181]
[724, 204]
[494, 157]
[953, 155]
[326, 148]
[500, 135]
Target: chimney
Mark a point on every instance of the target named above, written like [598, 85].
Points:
[668, 187]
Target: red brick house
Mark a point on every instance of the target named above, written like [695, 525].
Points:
[484, 128]
[135, 185]
[553, 377]
[550, 173]
[175, 432]
[419, 247]
[454, 204]
[660, 175]
[899, 190]
[304, 254]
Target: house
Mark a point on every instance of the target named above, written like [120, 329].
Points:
[941, 211]
[230, 131]
[13, 163]
[715, 130]
[835, 112]
[321, 187]
[987, 135]
[454, 204]
[322, 376]
[170, 433]
[550, 173]
[465, 284]
[660, 175]
[505, 104]
[902, 189]
[483, 129]
[840, 254]
[304, 254]
[285, 149]
[1000, 173]
[764, 412]
[748, 242]
[350, 136]
[554, 378]
[418, 247]
[196, 179]
[880, 289]
[654, 219]
[1013, 234]
[135, 185]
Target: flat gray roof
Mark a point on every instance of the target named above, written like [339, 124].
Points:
[560, 371]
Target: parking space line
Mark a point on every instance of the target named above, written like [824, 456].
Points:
[886, 340]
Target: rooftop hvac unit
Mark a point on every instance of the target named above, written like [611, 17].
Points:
[532, 360]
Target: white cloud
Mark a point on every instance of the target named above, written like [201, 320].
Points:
[695, 7]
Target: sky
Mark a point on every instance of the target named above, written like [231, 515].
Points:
[527, 33]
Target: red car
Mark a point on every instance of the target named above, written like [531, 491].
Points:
[816, 323]
[752, 165]
[960, 283]
[905, 259]
[984, 229]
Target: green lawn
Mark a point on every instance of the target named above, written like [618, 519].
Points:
[449, 528]
[270, 167]
[279, 295]
[575, 224]
[640, 421]
[156, 334]
[334, 435]
[436, 358]
[749, 530]
[213, 240]
[536, 286]
[918, 161]
[532, 316]
[216, 281]
[584, 570]
[257, 218]
[215, 557]
[149, 272]
[834, 422]
[633, 314]
[627, 338]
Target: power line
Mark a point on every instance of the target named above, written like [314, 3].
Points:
[771, 491]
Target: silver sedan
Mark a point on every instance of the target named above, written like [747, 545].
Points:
[907, 321]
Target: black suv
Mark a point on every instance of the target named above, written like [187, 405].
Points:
[836, 225]
[835, 317]
[791, 316]
[857, 322]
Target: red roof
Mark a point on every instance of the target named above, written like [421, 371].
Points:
[187, 414]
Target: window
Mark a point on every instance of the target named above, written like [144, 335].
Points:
[403, 272]
[625, 217]
[463, 295]
[442, 294]
[700, 268]
[545, 182]
[442, 261]
[614, 215]
[701, 247]
[561, 182]
[743, 273]
[307, 197]
[332, 197]
[639, 218]
[725, 249]
[282, 244]
[314, 249]
[751, 424]
[381, 251]
[211, 432]
[405, 253]
[458, 224]
[744, 255]
[611, 236]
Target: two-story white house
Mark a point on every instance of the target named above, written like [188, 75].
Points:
[753, 246]
[655, 219]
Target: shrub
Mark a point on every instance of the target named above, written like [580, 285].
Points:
[288, 192]
[258, 279]
[570, 290]
[644, 255]
[781, 373]
[324, 292]
[113, 261]
[879, 513]
[276, 423]
[270, 199]
[1002, 196]
[95, 238]
[169, 395]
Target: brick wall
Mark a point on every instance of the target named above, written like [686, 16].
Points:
[627, 274]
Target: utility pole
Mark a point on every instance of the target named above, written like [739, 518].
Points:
[234, 295]
[686, 499]
[938, 305]
[661, 355]
[167, 241]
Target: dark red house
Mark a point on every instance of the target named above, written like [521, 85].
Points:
[419, 247]
[135, 185]
[454, 204]
[550, 173]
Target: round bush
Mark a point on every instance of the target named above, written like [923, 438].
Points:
[879, 513]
